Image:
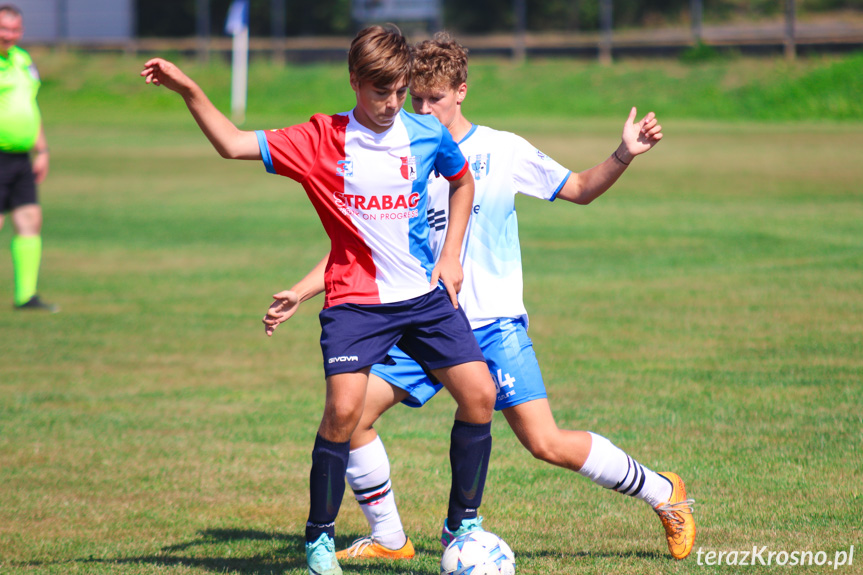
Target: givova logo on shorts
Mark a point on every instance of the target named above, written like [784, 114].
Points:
[343, 358]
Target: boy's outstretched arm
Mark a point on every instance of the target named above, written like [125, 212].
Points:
[287, 302]
[638, 138]
[229, 141]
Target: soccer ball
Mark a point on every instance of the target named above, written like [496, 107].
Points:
[478, 553]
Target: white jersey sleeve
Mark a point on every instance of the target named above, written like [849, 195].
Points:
[533, 173]
[502, 165]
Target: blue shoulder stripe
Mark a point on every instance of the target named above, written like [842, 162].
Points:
[560, 187]
[265, 151]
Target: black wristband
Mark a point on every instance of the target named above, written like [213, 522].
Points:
[616, 157]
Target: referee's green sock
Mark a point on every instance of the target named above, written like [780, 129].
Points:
[26, 256]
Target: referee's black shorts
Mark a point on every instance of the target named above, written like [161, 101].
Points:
[17, 183]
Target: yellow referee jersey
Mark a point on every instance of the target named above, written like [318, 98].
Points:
[19, 114]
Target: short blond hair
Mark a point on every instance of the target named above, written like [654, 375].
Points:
[380, 55]
[439, 63]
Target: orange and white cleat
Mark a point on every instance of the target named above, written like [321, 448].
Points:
[368, 548]
[676, 517]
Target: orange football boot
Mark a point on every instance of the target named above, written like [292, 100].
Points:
[676, 517]
[368, 548]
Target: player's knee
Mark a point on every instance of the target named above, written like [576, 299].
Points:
[543, 448]
[482, 396]
[342, 418]
[489, 397]
[476, 406]
[543, 452]
[364, 432]
[27, 220]
[476, 388]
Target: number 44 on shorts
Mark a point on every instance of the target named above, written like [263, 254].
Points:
[502, 381]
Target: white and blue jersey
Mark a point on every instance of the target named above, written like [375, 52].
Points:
[503, 165]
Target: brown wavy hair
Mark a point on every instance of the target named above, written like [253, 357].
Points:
[439, 63]
[380, 55]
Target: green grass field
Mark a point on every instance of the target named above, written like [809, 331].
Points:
[705, 315]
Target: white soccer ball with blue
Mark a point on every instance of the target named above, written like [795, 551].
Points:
[478, 553]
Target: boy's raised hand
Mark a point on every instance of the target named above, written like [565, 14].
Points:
[160, 72]
[642, 136]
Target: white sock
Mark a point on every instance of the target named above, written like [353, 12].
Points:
[368, 475]
[607, 465]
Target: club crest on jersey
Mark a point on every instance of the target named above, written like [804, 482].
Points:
[479, 165]
[345, 168]
[409, 167]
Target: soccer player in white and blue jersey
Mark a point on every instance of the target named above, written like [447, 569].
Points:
[503, 165]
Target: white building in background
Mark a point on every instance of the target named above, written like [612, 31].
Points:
[77, 20]
[368, 11]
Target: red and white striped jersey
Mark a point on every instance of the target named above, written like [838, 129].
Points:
[370, 192]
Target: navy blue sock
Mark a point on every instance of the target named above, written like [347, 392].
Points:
[469, 452]
[326, 486]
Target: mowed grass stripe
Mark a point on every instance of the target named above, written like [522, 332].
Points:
[703, 315]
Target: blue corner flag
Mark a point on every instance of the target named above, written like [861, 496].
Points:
[238, 17]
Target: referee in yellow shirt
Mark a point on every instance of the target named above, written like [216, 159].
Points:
[21, 135]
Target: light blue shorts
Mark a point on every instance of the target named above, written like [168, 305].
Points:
[508, 353]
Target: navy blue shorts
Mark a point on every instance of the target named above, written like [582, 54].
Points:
[427, 328]
[17, 182]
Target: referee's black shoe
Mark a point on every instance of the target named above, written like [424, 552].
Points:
[34, 303]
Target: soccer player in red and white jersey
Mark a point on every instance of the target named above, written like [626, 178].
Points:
[503, 165]
[366, 172]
